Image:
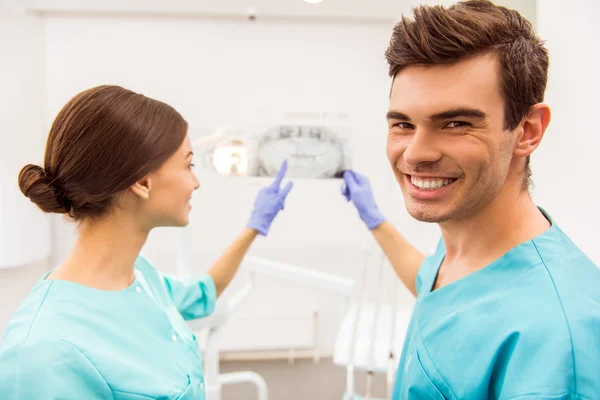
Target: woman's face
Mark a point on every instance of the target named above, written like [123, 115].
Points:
[171, 189]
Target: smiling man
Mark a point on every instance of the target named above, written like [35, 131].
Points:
[508, 307]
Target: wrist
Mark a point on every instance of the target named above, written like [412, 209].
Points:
[372, 218]
[259, 224]
[250, 232]
[259, 228]
[377, 224]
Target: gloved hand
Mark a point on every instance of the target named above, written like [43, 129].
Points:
[357, 188]
[269, 202]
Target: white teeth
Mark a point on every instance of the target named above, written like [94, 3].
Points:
[430, 184]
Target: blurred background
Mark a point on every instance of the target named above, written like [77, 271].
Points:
[246, 62]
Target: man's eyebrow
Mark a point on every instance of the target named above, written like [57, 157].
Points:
[397, 115]
[457, 113]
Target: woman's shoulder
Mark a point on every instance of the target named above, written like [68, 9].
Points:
[28, 314]
[62, 310]
[36, 334]
[46, 368]
[32, 349]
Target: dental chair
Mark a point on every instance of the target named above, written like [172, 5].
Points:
[214, 379]
[371, 335]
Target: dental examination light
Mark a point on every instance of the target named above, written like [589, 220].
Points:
[224, 156]
[231, 158]
[203, 141]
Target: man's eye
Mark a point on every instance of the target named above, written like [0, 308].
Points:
[457, 124]
[403, 125]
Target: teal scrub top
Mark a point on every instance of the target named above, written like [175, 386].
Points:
[68, 341]
[525, 327]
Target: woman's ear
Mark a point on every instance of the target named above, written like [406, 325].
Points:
[142, 187]
[534, 127]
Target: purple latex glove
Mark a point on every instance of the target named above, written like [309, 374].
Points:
[357, 188]
[269, 202]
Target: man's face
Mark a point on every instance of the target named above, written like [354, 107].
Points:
[446, 143]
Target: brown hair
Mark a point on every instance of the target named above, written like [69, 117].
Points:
[102, 141]
[440, 35]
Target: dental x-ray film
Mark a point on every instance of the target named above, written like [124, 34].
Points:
[316, 146]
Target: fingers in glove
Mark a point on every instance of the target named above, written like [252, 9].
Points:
[351, 181]
[360, 179]
[345, 191]
[283, 194]
[280, 175]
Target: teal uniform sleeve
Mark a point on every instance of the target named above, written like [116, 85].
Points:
[50, 370]
[194, 298]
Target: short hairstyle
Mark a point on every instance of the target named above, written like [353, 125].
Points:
[438, 35]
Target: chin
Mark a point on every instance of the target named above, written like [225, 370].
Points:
[183, 223]
[428, 213]
[179, 221]
[184, 218]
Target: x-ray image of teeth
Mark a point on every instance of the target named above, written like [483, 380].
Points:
[312, 151]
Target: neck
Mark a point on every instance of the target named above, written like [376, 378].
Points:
[104, 254]
[491, 233]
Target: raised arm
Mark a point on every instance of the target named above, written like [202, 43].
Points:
[268, 203]
[404, 257]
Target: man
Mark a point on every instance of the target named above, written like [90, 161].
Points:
[508, 307]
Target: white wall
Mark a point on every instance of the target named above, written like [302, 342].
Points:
[564, 167]
[230, 72]
[23, 90]
[22, 133]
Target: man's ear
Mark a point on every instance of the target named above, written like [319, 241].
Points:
[533, 128]
[142, 187]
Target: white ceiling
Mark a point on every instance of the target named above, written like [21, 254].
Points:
[382, 10]
[359, 10]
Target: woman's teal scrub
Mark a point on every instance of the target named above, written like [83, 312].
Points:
[69, 341]
[525, 327]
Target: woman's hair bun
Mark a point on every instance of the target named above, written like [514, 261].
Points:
[36, 185]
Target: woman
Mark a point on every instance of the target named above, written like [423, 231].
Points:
[105, 324]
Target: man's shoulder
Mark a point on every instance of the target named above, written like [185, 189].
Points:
[571, 279]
